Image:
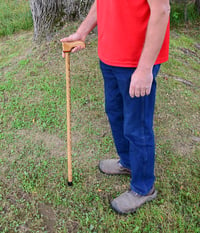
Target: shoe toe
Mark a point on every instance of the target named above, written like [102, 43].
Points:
[115, 207]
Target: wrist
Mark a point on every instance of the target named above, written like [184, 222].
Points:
[81, 33]
[144, 68]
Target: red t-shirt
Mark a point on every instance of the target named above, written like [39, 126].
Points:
[122, 26]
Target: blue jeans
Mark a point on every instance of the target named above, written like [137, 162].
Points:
[131, 121]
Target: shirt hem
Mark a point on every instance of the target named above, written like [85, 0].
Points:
[128, 63]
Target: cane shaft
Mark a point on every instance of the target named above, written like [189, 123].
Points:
[68, 98]
[67, 47]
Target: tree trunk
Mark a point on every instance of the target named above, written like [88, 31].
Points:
[49, 14]
[197, 4]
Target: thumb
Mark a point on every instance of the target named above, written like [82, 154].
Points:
[70, 38]
[66, 39]
[132, 89]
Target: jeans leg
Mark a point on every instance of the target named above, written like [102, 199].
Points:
[138, 129]
[114, 111]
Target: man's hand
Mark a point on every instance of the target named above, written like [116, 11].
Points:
[74, 37]
[141, 82]
[85, 28]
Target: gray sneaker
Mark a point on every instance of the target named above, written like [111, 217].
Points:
[113, 167]
[129, 201]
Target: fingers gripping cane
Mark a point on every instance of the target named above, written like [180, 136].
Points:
[67, 47]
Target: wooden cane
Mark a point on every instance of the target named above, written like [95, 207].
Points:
[67, 47]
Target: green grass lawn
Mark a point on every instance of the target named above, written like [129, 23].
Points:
[34, 196]
[15, 15]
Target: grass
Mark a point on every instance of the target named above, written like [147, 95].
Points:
[34, 196]
[15, 16]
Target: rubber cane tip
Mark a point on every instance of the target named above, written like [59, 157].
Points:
[70, 184]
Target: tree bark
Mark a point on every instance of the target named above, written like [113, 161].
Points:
[49, 14]
[197, 4]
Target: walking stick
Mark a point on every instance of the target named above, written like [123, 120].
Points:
[67, 47]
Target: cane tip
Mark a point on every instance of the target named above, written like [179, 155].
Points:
[70, 184]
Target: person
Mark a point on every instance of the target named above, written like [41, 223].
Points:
[133, 41]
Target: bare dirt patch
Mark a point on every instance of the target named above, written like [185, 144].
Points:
[53, 143]
[49, 216]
